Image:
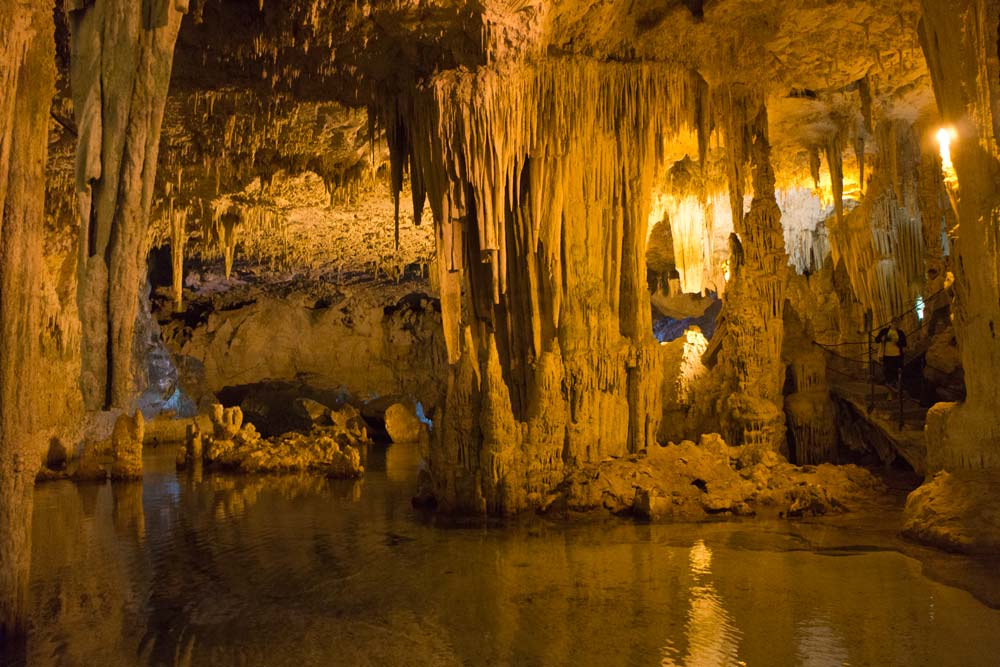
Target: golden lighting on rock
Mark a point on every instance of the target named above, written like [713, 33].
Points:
[944, 137]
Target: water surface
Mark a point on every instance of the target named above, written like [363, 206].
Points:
[219, 570]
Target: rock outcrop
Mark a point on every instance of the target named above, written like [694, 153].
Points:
[364, 340]
[331, 448]
[402, 424]
[692, 481]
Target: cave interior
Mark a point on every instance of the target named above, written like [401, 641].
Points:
[669, 260]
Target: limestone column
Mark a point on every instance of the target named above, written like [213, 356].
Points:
[753, 310]
[27, 79]
[960, 43]
[121, 56]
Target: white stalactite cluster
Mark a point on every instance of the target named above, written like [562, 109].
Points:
[700, 228]
[881, 242]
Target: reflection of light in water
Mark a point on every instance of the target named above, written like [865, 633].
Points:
[712, 638]
[817, 645]
[402, 461]
[701, 558]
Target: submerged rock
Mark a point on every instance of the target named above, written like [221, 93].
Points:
[956, 511]
[692, 481]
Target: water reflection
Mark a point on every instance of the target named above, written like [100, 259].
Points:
[818, 645]
[712, 638]
[288, 570]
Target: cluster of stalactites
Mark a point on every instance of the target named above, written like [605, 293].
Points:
[254, 225]
[469, 139]
[881, 242]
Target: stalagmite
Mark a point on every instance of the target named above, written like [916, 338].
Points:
[126, 447]
[750, 358]
[121, 59]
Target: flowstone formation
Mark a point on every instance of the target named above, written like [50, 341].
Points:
[27, 77]
[960, 43]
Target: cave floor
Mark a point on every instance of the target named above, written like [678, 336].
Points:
[215, 569]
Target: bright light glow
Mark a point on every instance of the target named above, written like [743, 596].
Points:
[919, 307]
[945, 136]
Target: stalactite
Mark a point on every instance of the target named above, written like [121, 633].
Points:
[178, 238]
[865, 97]
[881, 241]
[835, 163]
[859, 153]
[814, 165]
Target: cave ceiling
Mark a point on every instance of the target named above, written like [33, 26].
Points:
[262, 87]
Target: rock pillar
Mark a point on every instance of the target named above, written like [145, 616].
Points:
[27, 76]
[121, 56]
[753, 311]
[960, 42]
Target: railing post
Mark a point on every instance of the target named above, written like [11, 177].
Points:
[899, 390]
[869, 318]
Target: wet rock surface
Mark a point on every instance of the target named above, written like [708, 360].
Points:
[691, 481]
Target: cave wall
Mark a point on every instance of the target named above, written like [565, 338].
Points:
[27, 75]
[369, 341]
